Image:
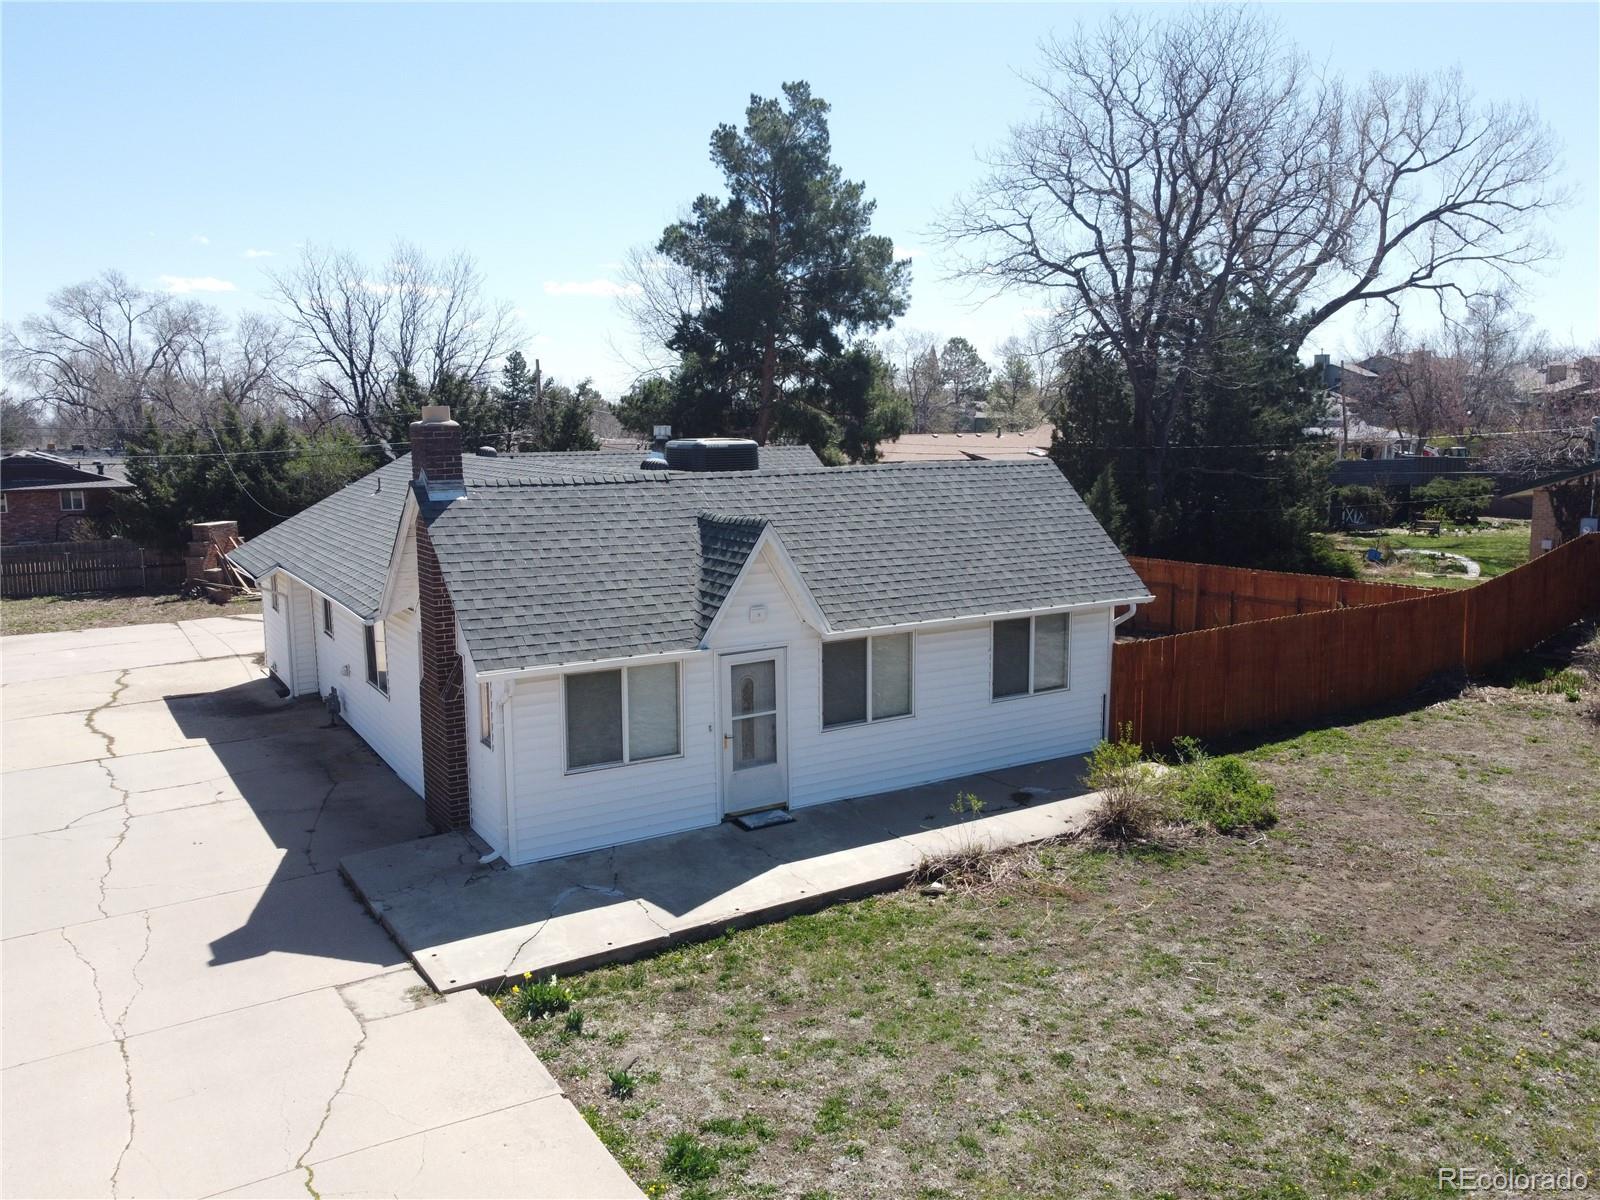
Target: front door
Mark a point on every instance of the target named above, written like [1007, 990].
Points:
[755, 771]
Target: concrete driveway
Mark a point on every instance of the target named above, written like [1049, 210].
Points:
[194, 1002]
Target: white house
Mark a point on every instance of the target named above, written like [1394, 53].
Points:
[571, 651]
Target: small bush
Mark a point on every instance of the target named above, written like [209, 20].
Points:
[1461, 501]
[623, 1083]
[1224, 793]
[688, 1160]
[533, 1000]
[574, 1022]
[1133, 791]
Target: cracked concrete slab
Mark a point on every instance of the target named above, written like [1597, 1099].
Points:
[193, 1000]
[468, 925]
[469, 1161]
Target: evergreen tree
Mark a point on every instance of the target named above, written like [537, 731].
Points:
[227, 468]
[790, 269]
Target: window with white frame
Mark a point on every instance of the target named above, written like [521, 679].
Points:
[72, 500]
[377, 658]
[622, 716]
[5, 503]
[485, 716]
[274, 594]
[1030, 655]
[866, 679]
[327, 616]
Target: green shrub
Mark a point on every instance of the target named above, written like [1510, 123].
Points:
[533, 1000]
[1458, 500]
[574, 1022]
[688, 1160]
[1224, 793]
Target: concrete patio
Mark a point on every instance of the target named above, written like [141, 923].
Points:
[465, 924]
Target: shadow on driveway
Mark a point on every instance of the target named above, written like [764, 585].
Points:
[319, 794]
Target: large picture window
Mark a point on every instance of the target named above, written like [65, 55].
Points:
[623, 716]
[1030, 655]
[377, 658]
[866, 679]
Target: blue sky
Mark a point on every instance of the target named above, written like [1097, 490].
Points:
[204, 142]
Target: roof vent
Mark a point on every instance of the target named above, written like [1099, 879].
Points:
[713, 454]
[654, 461]
[488, 452]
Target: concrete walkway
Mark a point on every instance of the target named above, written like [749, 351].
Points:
[468, 925]
[194, 1003]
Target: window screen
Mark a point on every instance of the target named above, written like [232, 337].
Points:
[1050, 652]
[891, 676]
[594, 719]
[652, 711]
[844, 682]
[1011, 651]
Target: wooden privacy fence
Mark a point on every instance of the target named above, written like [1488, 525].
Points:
[65, 568]
[1191, 596]
[1291, 670]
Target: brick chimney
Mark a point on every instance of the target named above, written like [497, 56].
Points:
[436, 465]
[436, 453]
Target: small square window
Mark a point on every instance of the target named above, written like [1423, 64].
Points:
[72, 500]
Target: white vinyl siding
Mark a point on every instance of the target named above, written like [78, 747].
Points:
[298, 609]
[391, 725]
[275, 628]
[485, 769]
[560, 813]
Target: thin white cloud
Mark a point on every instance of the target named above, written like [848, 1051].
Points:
[590, 287]
[258, 253]
[182, 285]
[200, 238]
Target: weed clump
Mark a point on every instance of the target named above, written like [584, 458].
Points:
[1134, 791]
[534, 999]
[1224, 794]
[688, 1159]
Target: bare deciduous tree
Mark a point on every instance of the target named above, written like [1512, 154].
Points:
[1176, 167]
[356, 331]
[105, 354]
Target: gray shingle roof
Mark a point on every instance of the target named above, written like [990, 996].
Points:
[549, 571]
[725, 546]
[341, 545]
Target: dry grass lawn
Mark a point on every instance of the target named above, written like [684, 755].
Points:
[55, 614]
[1401, 975]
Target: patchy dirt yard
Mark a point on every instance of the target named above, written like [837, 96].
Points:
[53, 614]
[1400, 976]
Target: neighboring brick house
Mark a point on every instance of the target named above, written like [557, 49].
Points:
[47, 499]
[1565, 506]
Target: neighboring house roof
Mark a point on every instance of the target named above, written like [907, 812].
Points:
[1395, 472]
[30, 470]
[341, 546]
[935, 447]
[556, 570]
[1591, 468]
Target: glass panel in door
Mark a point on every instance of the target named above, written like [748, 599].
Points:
[755, 714]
